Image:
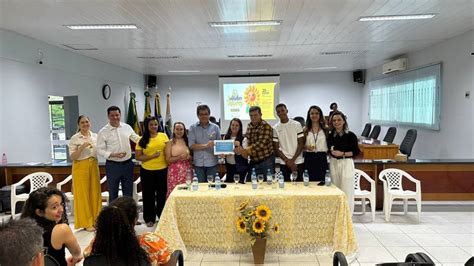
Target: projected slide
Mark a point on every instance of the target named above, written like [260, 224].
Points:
[239, 97]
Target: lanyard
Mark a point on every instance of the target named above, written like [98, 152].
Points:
[315, 138]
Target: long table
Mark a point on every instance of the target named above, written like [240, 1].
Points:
[312, 219]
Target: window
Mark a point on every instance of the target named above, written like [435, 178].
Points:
[57, 129]
[411, 98]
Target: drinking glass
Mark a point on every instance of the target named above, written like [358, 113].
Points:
[275, 180]
[210, 179]
[293, 177]
[260, 178]
[236, 180]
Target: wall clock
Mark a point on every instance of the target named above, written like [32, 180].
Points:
[106, 91]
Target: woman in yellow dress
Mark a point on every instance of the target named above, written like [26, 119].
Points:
[85, 175]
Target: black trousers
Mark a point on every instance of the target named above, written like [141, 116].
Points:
[287, 172]
[154, 187]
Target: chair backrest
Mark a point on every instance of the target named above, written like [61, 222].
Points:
[357, 176]
[339, 259]
[366, 131]
[50, 261]
[393, 178]
[390, 136]
[375, 132]
[39, 180]
[408, 142]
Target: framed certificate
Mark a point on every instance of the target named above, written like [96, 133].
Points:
[223, 147]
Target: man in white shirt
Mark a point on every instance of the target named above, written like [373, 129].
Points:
[288, 142]
[113, 144]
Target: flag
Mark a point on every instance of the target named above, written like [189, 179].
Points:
[169, 124]
[147, 112]
[158, 113]
[132, 117]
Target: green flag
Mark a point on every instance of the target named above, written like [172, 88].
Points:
[132, 117]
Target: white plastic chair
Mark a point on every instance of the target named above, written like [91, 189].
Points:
[69, 194]
[37, 180]
[392, 186]
[104, 194]
[364, 194]
[137, 196]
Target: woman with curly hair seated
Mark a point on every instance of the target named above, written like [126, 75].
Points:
[46, 206]
[155, 248]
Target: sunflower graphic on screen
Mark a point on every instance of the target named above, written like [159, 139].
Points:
[251, 96]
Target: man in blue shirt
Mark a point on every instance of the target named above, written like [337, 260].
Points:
[201, 140]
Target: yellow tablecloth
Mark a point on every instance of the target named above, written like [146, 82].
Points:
[312, 219]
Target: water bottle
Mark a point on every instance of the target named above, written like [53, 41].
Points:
[327, 178]
[306, 178]
[254, 179]
[217, 180]
[269, 177]
[189, 179]
[195, 182]
[281, 180]
[4, 159]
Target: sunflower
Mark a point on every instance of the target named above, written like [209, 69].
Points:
[246, 218]
[258, 226]
[276, 228]
[249, 213]
[240, 224]
[263, 212]
[243, 205]
[251, 95]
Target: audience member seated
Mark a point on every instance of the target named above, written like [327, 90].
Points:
[115, 242]
[46, 206]
[154, 247]
[22, 243]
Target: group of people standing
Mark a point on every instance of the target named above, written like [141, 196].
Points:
[166, 162]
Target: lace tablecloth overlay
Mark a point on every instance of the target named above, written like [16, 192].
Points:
[314, 219]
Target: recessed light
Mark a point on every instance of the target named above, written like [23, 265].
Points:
[254, 23]
[397, 17]
[319, 68]
[249, 55]
[159, 57]
[184, 71]
[102, 27]
[343, 52]
[252, 70]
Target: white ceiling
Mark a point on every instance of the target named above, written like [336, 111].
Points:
[180, 28]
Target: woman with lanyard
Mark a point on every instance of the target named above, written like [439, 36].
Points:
[343, 147]
[316, 148]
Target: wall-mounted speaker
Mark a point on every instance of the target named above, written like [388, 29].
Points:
[150, 81]
[359, 76]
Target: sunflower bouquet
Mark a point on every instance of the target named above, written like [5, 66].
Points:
[255, 220]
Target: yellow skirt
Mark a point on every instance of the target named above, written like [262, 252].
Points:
[86, 191]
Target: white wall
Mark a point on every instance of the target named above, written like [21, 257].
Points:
[297, 90]
[25, 86]
[455, 139]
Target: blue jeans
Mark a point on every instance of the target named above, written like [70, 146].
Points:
[119, 172]
[263, 166]
[202, 172]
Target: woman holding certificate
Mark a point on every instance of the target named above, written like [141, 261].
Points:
[150, 150]
[235, 163]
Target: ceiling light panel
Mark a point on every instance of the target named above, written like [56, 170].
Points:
[102, 27]
[397, 17]
[255, 23]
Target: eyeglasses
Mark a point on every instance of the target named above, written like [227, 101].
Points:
[44, 251]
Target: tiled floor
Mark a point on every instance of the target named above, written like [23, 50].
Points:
[447, 237]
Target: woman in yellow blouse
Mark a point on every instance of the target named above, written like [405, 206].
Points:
[85, 175]
[150, 150]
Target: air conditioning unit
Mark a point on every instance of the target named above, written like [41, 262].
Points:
[396, 65]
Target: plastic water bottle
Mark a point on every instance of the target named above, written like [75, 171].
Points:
[281, 180]
[189, 179]
[217, 180]
[4, 159]
[195, 182]
[327, 178]
[254, 179]
[269, 177]
[306, 178]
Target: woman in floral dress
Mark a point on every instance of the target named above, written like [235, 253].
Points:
[178, 157]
